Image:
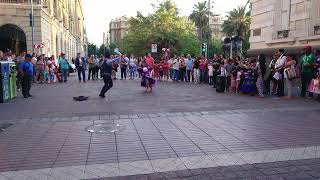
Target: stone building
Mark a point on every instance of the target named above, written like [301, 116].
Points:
[288, 24]
[58, 25]
[118, 28]
[216, 26]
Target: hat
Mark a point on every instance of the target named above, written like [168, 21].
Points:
[28, 56]
[307, 47]
[62, 54]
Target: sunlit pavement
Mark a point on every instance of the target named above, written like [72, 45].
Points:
[180, 131]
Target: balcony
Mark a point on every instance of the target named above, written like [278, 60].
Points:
[21, 1]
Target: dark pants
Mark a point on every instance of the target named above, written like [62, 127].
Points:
[305, 81]
[210, 80]
[124, 73]
[268, 82]
[182, 75]
[189, 75]
[26, 85]
[96, 72]
[90, 73]
[215, 79]
[280, 91]
[202, 76]
[82, 71]
[107, 84]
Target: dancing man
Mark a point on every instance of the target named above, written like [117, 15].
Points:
[106, 71]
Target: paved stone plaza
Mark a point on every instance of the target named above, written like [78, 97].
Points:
[180, 131]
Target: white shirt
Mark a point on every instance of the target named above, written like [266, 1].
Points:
[280, 62]
[176, 64]
[210, 73]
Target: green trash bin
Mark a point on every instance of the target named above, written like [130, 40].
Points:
[4, 82]
[13, 80]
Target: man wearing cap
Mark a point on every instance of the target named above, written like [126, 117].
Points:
[307, 70]
[64, 67]
[26, 74]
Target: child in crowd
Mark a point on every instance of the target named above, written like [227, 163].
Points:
[161, 72]
[233, 83]
[210, 73]
[238, 79]
[51, 74]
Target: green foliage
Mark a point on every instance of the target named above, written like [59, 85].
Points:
[200, 16]
[164, 28]
[92, 49]
[215, 47]
[238, 24]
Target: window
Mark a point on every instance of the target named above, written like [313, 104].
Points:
[283, 34]
[316, 30]
[256, 32]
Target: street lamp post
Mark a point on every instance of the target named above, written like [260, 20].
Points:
[32, 26]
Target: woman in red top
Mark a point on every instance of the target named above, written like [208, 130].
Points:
[166, 69]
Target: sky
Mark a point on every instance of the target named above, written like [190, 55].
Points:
[98, 13]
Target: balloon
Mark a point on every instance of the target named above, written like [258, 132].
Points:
[145, 69]
[163, 49]
[116, 50]
[168, 50]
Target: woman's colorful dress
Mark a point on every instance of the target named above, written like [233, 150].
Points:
[146, 77]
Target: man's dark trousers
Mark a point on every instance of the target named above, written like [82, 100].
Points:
[107, 84]
[26, 81]
[81, 71]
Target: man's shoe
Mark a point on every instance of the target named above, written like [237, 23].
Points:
[29, 95]
[102, 96]
[25, 96]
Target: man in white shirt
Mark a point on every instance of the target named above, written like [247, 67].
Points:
[176, 65]
[280, 70]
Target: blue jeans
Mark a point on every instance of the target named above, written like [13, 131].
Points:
[64, 74]
[82, 71]
[202, 76]
[175, 74]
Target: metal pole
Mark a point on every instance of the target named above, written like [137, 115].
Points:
[209, 9]
[32, 27]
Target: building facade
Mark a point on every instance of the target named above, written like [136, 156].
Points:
[57, 24]
[118, 28]
[216, 26]
[288, 24]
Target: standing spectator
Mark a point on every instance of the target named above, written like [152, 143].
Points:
[81, 67]
[260, 73]
[166, 69]
[91, 63]
[229, 69]
[115, 66]
[317, 63]
[64, 67]
[171, 71]
[279, 68]
[289, 64]
[149, 60]
[210, 73]
[40, 67]
[307, 71]
[161, 71]
[123, 66]
[96, 67]
[176, 66]
[182, 69]
[216, 67]
[189, 64]
[132, 67]
[270, 76]
[203, 68]
[26, 74]
[196, 71]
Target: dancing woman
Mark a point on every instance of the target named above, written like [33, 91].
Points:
[146, 77]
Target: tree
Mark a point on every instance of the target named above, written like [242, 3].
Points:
[164, 27]
[200, 16]
[238, 24]
[92, 49]
[215, 47]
